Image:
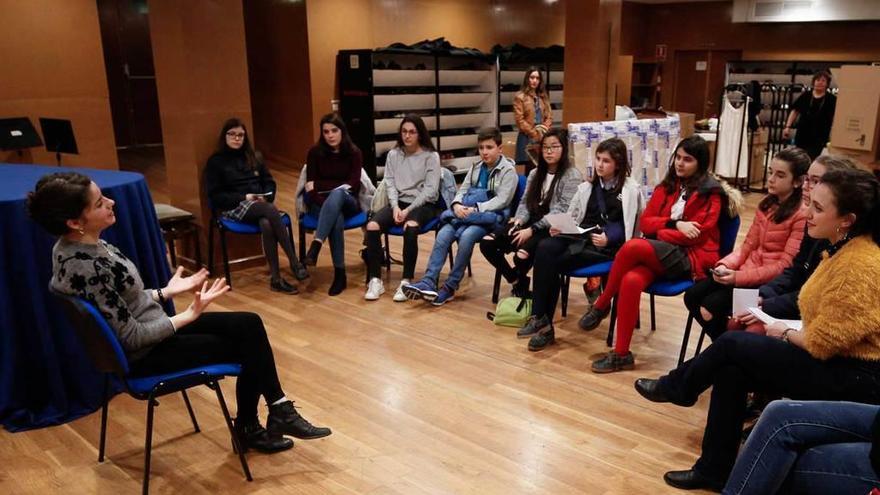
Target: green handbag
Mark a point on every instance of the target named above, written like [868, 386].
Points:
[511, 312]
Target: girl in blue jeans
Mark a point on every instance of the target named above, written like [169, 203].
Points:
[810, 447]
[333, 180]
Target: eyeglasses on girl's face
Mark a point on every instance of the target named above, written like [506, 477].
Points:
[235, 135]
[551, 148]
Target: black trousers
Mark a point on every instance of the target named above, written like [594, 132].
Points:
[221, 337]
[716, 298]
[500, 242]
[741, 362]
[552, 257]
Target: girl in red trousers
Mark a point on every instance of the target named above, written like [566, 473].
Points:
[680, 225]
[770, 246]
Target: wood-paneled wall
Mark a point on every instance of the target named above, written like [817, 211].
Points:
[53, 66]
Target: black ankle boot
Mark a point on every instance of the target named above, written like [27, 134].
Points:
[281, 285]
[285, 420]
[252, 435]
[299, 270]
[312, 255]
[339, 282]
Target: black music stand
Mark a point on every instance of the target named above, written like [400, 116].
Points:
[17, 134]
[58, 134]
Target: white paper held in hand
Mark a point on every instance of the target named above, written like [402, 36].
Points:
[769, 320]
[565, 223]
[743, 299]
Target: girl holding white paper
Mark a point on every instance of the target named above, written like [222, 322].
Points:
[835, 357]
[611, 200]
[770, 246]
[549, 189]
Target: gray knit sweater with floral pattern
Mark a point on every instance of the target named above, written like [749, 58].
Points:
[102, 275]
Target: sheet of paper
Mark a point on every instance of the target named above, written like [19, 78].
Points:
[769, 320]
[743, 299]
[565, 224]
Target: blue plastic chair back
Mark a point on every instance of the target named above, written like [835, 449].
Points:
[95, 334]
[518, 195]
[728, 229]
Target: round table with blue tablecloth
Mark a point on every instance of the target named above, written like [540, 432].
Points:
[45, 376]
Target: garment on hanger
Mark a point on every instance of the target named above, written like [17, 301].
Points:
[732, 149]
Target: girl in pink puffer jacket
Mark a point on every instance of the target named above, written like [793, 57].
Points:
[770, 246]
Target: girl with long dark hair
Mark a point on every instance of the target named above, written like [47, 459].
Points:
[610, 203]
[770, 246]
[412, 182]
[333, 180]
[240, 187]
[549, 189]
[680, 224]
[531, 112]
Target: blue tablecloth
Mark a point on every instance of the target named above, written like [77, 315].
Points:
[45, 375]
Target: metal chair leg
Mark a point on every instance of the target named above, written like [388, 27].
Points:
[564, 280]
[653, 318]
[387, 246]
[496, 286]
[610, 339]
[198, 246]
[685, 339]
[211, 248]
[148, 444]
[225, 257]
[192, 415]
[302, 243]
[236, 443]
[104, 408]
[700, 342]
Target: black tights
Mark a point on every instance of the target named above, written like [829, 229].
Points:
[221, 337]
[273, 232]
[410, 252]
[716, 298]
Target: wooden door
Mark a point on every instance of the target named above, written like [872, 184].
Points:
[131, 80]
[691, 76]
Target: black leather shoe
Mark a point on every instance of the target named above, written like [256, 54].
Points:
[281, 285]
[299, 270]
[533, 326]
[592, 319]
[542, 339]
[650, 389]
[285, 420]
[254, 436]
[692, 480]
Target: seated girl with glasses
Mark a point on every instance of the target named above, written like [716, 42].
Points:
[412, 182]
[549, 189]
[241, 188]
[610, 202]
[680, 225]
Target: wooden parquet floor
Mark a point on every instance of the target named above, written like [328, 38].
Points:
[421, 400]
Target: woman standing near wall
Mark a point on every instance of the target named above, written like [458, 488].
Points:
[531, 111]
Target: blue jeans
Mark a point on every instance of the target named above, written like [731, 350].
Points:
[807, 447]
[468, 236]
[338, 206]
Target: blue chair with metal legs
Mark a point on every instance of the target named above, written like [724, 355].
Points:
[728, 229]
[223, 224]
[107, 356]
[514, 203]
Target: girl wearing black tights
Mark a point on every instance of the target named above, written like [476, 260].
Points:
[240, 186]
[71, 206]
[611, 201]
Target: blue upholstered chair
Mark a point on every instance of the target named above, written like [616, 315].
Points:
[728, 228]
[224, 225]
[308, 222]
[107, 356]
[514, 204]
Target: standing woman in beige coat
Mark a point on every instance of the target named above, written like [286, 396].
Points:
[531, 111]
